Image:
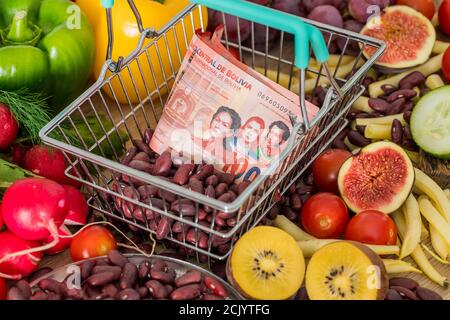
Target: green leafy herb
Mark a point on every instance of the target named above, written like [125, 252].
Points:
[30, 109]
[10, 172]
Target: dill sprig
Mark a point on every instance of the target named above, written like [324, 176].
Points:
[30, 109]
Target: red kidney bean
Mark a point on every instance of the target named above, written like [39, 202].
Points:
[379, 105]
[110, 290]
[148, 135]
[53, 296]
[204, 172]
[407, 132]
[375, 114]
[188, 292]
[190, 277]
[201, 215]
[196, 185]
[357, 139]
[143, 292]
[404, 292]
[138, 214]
[15, 293]
[403, 93]
[215, 286]
[426, 294]
[273, 213]
[142, 156]
[25, 288]
[397, 131]
[388, 88]
[50, 285]
[361, 129]
[39, 295]
[219, 269]
[226, 215]
[226, 178]
[102, 262]
[179, 227]
[100, 279]
[75, 294]
[211, 297]
[163, 164]
[396, 106]
[409, 145]
[221, 188]
[142, 146]
[424, 91]
[164, 277]
[232, 222]
[290, 213]
[296, 201]
[217, 241]
[339, 144]
[146, 191]
[116, 258]
[128, 294]
[116, 270]
[129, 276]
[197, 238]
[132, 181]
[226, 197]
[169, 288]
[141, 166]
[158, 265]
[183, 173]
[242, 187]
[210, 191]
[393, 295]
[157, 289]
[412, 80]
[205, 224]
[408, 106]
[220, 222]
[143, 270]
[187, 210]
[163, 228]
[167, 195]
[209, 218]
[212, 180]
[403, 282]
[306, 189]
[129, 155]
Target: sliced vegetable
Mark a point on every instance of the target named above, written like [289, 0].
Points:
[430, 123]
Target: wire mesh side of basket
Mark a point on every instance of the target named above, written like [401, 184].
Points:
[95, 161]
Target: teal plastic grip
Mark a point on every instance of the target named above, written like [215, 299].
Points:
[107, 4]
[305, 34]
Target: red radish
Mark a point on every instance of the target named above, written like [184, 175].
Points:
[78, 208]
[18, 153]
[3, 289]
[49, 163]
[1, 217]
[8, 127]
[34, 208]
[19, 266]
[63, 242]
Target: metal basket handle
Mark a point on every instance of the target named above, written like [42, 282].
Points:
[108, 5]
[305, 35]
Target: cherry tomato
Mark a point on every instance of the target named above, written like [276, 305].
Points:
[372, 227]
[3, 289]
[325, 216]
[326, 169]
[426, 7]
[444, 16]
[94, 241]
[446, 65]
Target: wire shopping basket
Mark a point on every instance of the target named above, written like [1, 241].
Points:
[96, 162]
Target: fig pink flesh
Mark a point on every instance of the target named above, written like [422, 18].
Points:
[382, 174]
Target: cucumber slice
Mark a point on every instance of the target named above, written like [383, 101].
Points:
[430, 123]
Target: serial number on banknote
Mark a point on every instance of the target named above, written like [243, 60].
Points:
[276, 104]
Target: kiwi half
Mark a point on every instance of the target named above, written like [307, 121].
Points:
[266, 264]
[346, 270]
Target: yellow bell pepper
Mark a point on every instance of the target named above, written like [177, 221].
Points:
[164, 57]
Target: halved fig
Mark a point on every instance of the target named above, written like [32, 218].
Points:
[380, 177]
[409, 36]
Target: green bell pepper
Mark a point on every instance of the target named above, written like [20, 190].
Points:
[46, 46]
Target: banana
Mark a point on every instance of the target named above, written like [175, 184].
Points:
[434, 218]
[399, 266]
[309, 247]
[288, 226]
[447, 193]
[411, 238]
[418, 255]
[427, 185]
[438, 243]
